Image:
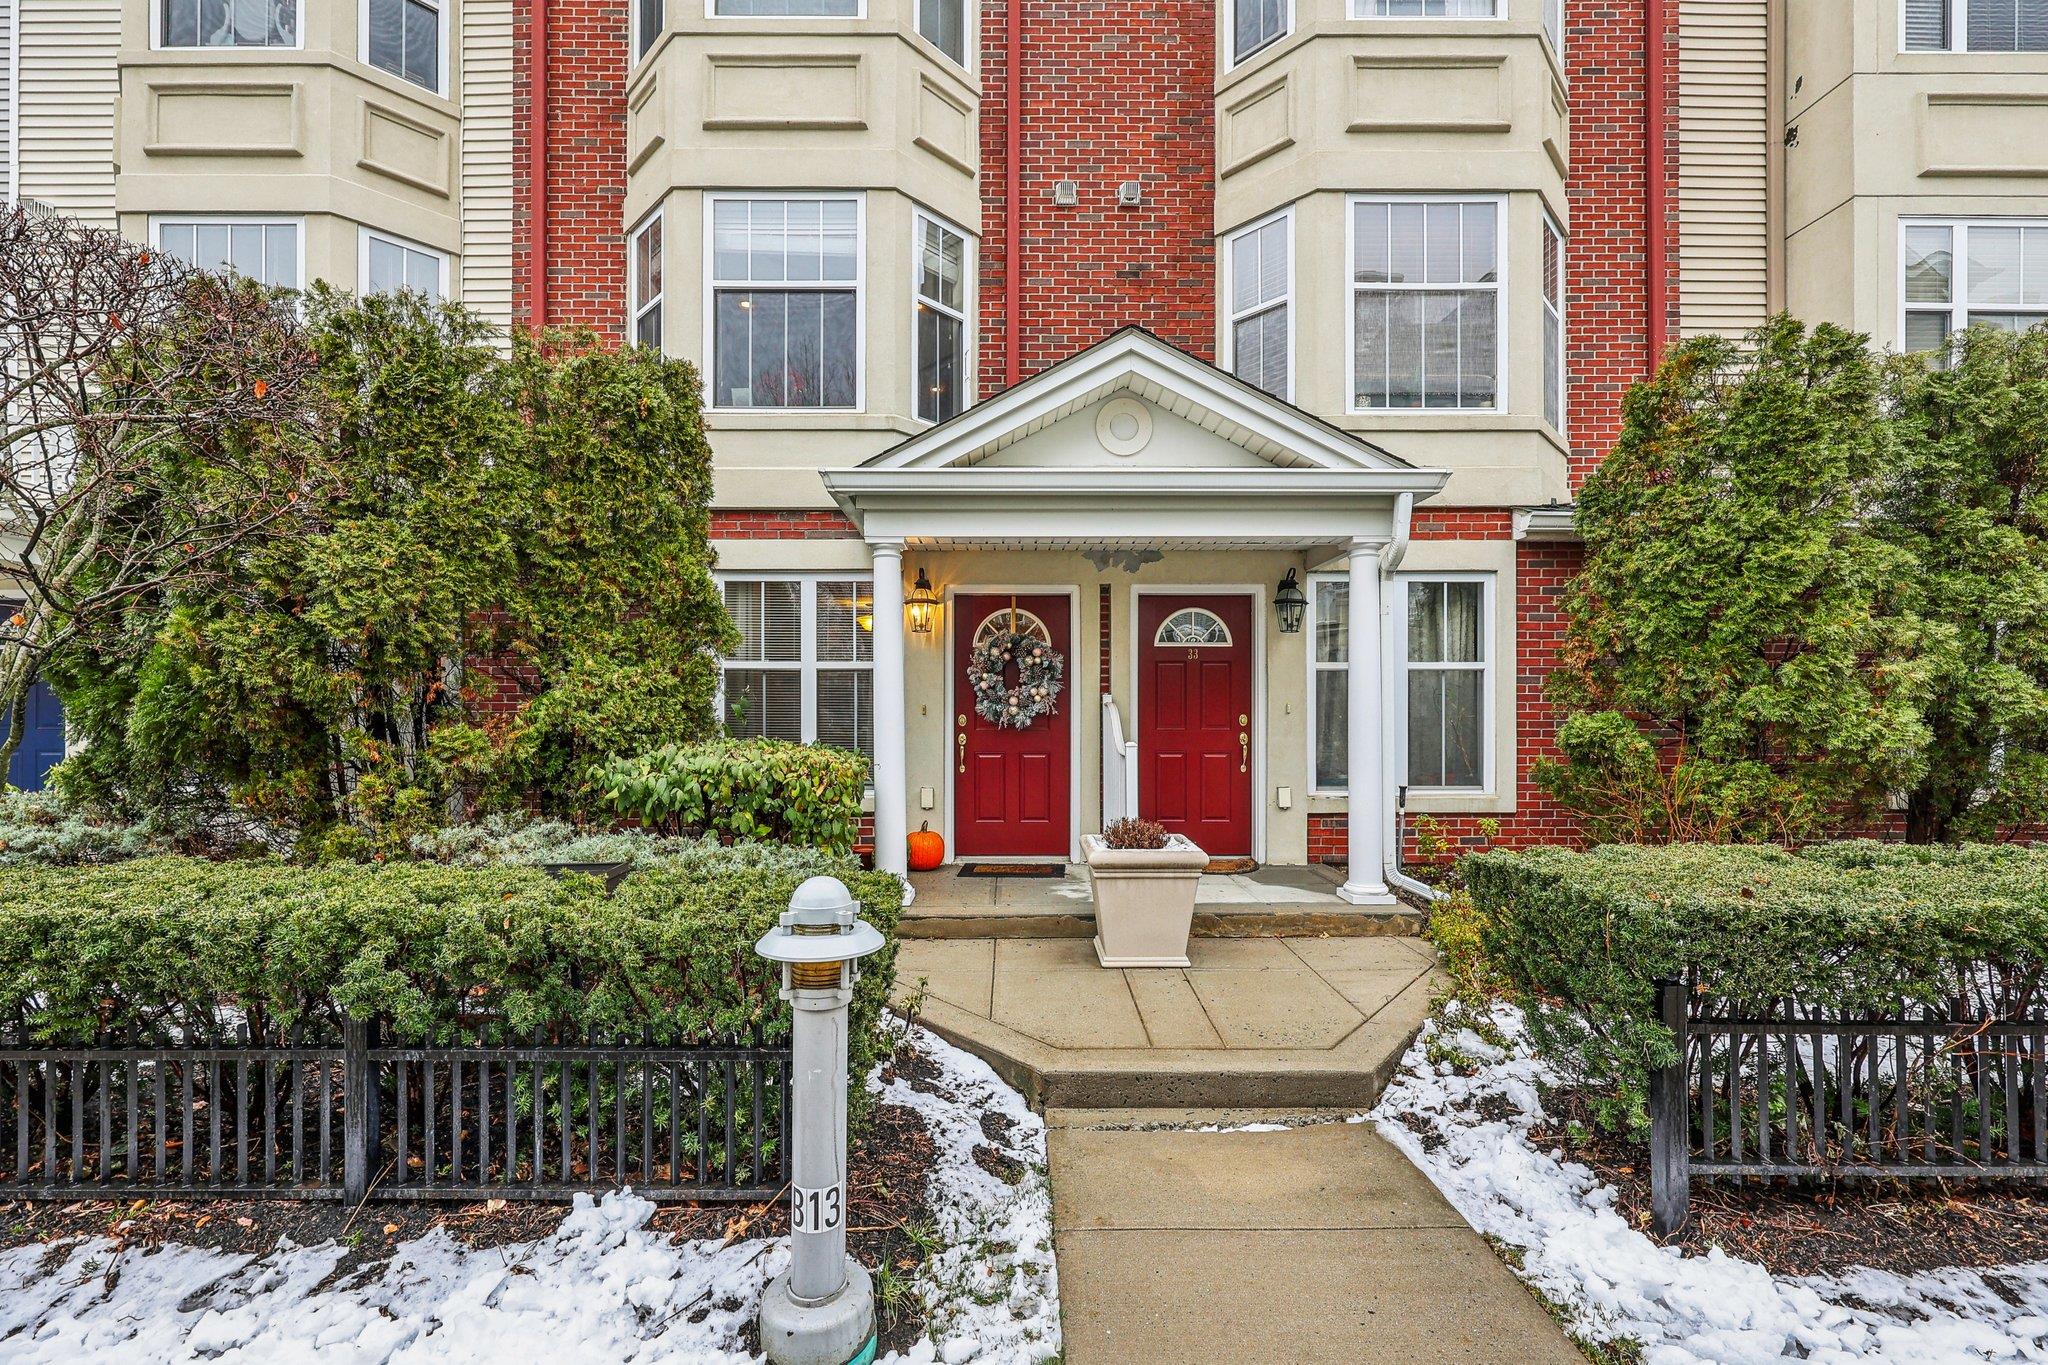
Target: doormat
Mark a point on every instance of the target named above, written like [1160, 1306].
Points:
[1224, 866]
[1013, 869]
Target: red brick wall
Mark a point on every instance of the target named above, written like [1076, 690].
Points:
[1112, 90]
[1606, 277]
[763, 523]
[586, 164]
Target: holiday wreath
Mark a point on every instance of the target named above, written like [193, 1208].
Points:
[1040, 671]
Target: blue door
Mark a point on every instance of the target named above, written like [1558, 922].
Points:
[42, 747]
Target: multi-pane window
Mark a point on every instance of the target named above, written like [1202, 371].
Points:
[1955, 274]
[1256, 23]
[940, 322]
[1553, 326]
[404, 38]
[1260, 340]
[645, 261]
[944, 23]
[787, 9]
[390, 264]
[1425, 295]
[648, 21]
[804, 670]
[267, 252]
[1447, 667]
[1976, 25]
[1447, 662]
[1423, 9]
[229, 23]
[785, 302]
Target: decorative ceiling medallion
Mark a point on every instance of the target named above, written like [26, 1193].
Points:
[1124, 426]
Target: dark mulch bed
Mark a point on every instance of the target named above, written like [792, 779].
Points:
[1820, 1228]
[887, 1175]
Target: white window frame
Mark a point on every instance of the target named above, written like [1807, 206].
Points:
[1395, 646]
[642, 49]
[1501, 310]
[1362, 10]
[1231, 57]
[635, 311]
[1553, 25]
[1958, 37]
[968, 266]
[365, 235]
[970, 26]
[859, 284]
[711, 12]
[1958, 308]
[440, 88]
[157, 221]
[157, 43]
[807, 663]
[1231, 319]
[1563, 314]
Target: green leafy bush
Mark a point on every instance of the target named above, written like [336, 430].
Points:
[161, 948]
[37, 828]
[1581, 939]
[742, 789]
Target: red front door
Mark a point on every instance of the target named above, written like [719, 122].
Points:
[1195, 718]
[1010, 792]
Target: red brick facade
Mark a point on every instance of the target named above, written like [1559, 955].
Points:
[1110, 92]
[586, 164]
[767, 523]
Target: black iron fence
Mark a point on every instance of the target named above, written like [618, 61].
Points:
[1799, 1093]
[347, 1118]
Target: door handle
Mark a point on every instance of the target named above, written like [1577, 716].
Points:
[961, 740]
[1244, 751]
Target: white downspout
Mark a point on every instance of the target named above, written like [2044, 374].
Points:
[1391, 556]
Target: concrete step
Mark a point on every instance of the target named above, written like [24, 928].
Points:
[1220, 921]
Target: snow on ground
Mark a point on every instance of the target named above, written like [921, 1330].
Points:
[1615, 1283]
[602, 1288]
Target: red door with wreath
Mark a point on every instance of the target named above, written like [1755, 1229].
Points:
[1010, 786]
[1194, 718]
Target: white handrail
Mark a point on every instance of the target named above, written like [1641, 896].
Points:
[1119, 766]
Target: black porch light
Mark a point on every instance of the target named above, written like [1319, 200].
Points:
[1290, 602]
[921, 602]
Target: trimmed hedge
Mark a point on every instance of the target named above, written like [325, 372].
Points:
[162, 948]
[1855, 927]
[765, 789]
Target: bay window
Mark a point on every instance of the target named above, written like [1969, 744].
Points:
[1423, 9]
[804, 670]
[388, 264]
[1553, 325]
[785, 292]
[644, 281]
[1255, 24]
[1257, 281]
[787, 9]
[404, 38]
[944, 25]
[649, 19]
[1953, 274]
[228, 23]
[939, 319]
[1426, 321]
[264, 249]
[1975, 26]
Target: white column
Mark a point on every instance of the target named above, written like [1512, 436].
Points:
[892, 797]
[1365, 882]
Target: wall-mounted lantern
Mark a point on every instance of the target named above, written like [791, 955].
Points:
[922, 604]
[1289, 604]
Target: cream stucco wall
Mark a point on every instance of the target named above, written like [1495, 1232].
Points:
[313, 132]
[1880, 134]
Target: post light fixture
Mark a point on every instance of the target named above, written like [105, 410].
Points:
[1289, 604]
[921, 603]
[822, 1310]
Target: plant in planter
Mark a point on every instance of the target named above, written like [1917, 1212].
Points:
[1144, 882]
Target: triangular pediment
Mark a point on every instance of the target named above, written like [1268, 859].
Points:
[1129, 401]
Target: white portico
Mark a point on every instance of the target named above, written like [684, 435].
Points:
[1134, 508]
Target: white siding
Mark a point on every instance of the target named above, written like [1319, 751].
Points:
[1723, 151]
[6, 100]
[70, 79]
[486, 158]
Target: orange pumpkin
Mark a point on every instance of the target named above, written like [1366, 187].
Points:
[927, 850]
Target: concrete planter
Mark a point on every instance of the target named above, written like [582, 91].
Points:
[1144, 901]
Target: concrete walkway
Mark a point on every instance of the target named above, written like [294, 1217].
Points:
[1313, 1244]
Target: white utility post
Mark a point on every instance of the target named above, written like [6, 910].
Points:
[1365, 880]
[822, 1311]
[892, 795]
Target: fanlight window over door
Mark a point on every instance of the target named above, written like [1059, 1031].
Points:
[998, 623]
[1194, 627]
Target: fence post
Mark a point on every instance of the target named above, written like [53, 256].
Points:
[1670, 1119]
[358, 1124]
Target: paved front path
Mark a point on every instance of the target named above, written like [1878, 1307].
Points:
[1313, 1244]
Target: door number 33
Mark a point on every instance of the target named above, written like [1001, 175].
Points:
[819, 1210]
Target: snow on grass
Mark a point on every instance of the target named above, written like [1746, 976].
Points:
[603, 1287]
[1615, 1284]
